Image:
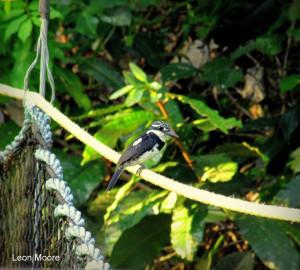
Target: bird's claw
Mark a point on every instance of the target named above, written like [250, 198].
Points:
[139, 170]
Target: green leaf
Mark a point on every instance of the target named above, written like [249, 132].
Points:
[214, 214]
[55, 14]
[134, 97]
[270, 44]
[130, 211]
[23, 57]
[236, 261]
[213, 115]
[294, 11]
[268, 240]
[243, 50]
[239, 150]
[102, 111]
[81, 179]
[25, 30]
[122, 124]
[187, 230]
[176, 71]
[138, 73]
[162, 166]
[215, 167]
[14, 26]
[294, 33]
[13, 13]
[11, 130]
[146, 241]
[220, 73]
[73, 85]
[295, 163]
[87, 24]
[118, 16]
[7, 6]
[290, 195]
[289, 83]
[206, 260]
[101, 72]
[174, 113]
[290, 121]
[121, 92]
[204, 124]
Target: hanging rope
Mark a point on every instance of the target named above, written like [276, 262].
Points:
[42, 50]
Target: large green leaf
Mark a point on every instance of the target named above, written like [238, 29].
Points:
[243, 50]
[101, 72]
[237, 150]
[130, 211]
[176, 71]
[268, 240]
[118, 16]
[73, 85]
[141, 244]
[236, 261]
[290, 121]
[270, 43]
[81, 179]
[121, 92]
[289, 83]
[101, 111]
[215, 167]
[220, 73]
[174, 113]
[295, 162]
[25, 30]
[294, 10]
[23, 57]
[290, 195]
[138, 73]
[122, 124]
[205, 111]
[87, 24]
[14, 26]
[134, 97]
[187, 229]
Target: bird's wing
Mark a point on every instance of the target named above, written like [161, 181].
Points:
[139, 146]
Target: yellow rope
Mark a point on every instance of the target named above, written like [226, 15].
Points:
[268, 211]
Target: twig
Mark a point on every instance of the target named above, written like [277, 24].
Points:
[238, 105]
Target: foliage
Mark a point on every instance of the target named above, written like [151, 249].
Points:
[224, 74]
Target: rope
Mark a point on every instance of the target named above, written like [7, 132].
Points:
[86, 244]
[268, 211]
[42, 47]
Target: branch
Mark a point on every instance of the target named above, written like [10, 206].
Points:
[203, 196]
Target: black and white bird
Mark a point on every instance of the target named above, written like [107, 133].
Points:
[143, 148]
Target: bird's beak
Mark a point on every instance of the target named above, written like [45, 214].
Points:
[171, 133]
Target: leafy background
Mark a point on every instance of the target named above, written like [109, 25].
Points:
[224, 74]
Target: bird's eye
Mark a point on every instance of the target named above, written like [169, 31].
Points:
[161, 128]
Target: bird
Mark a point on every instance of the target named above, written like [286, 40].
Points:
[143, 148]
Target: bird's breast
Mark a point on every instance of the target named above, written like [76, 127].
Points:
[147, 155]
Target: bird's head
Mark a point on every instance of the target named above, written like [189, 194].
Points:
[162, 130]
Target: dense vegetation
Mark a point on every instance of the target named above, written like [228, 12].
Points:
[224, 74]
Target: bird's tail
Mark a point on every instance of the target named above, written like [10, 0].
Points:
[115, 177]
